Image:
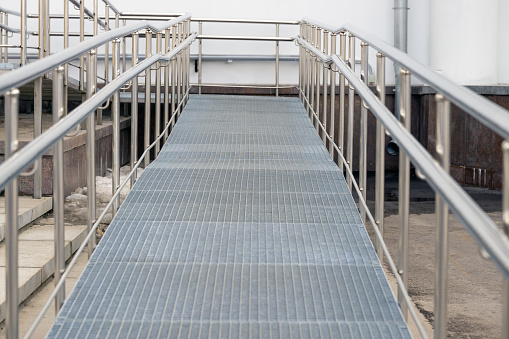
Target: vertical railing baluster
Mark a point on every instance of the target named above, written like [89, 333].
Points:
[332, 97]
[188, 61]
[308, 72]
[318, 68]
[363, 159]
[106, 58]
[90, 123]
[442, 214]
[301, 63]
[179, 70]
[277, 61]
[159, 43]
[115, 121]
[66, 45]
[351, 102]
[82, 38]
[380, 158]
[23, 32]
[404, 192]
[325, 87]
[148, 85]
[341, 133]
[134, 107]
[313, 75]
[5, 36]
[200, 51]
[167, 49]
[11, 210]
[58, 185]
[505, 219]
[173, 75]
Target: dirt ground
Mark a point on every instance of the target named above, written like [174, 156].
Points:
[475, 285]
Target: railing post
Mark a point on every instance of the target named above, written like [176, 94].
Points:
[11, 210]
[148, 85]
[134, 107]
[380, 158]
[325, 87]
[301, 63]
[82, 38]
[46, 28]
[404, 192]
[351, 102]
[115, 121]
[106, 58]
[167, 49]
[505, 218]
[313, 76]
[179, 69]
[308, 72]
[318, 68]
[159, 43]
[442, 215]
[90, 123]
[200, 51]
[23, 32]
[332, 97]
[277, 61]
[66, 45]
[173, 75]
[187, 56]
[58, 185]
[341, 133]
[5, 37]
[363, 159]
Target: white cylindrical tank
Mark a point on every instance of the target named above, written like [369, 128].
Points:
[464, 40]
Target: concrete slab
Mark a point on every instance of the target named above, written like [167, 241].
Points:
[36, 258]
[29, 210]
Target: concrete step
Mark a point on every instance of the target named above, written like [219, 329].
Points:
[36, 258]
[29, 210]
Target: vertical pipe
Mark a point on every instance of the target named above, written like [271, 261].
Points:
[404, 193]
[277, 61]
[332, 97]
[11, 210]
[363, 159]
[58, 185]
[380, 157]
[148, 81]
[37, 132]
[400, 42]
[342, 54]
[115, 120]
[159, 42]
[90, 123]
[318, 68]
[82, 38]
[23, 32]
[200, 50]
[443, 146]
[505, 219]
[134, 108]
[166, 83]
[173, 75]
[325, 88]
[351, 100]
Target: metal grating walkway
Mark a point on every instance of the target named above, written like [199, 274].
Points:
[242, 228]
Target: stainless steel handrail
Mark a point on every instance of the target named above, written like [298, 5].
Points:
[38, 68]
[489, 113]
[9, 11]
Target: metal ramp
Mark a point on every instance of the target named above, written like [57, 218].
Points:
[243, 227]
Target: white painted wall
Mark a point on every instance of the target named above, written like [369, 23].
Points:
[466, 40]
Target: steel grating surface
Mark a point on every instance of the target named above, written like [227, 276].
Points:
[243, 227]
